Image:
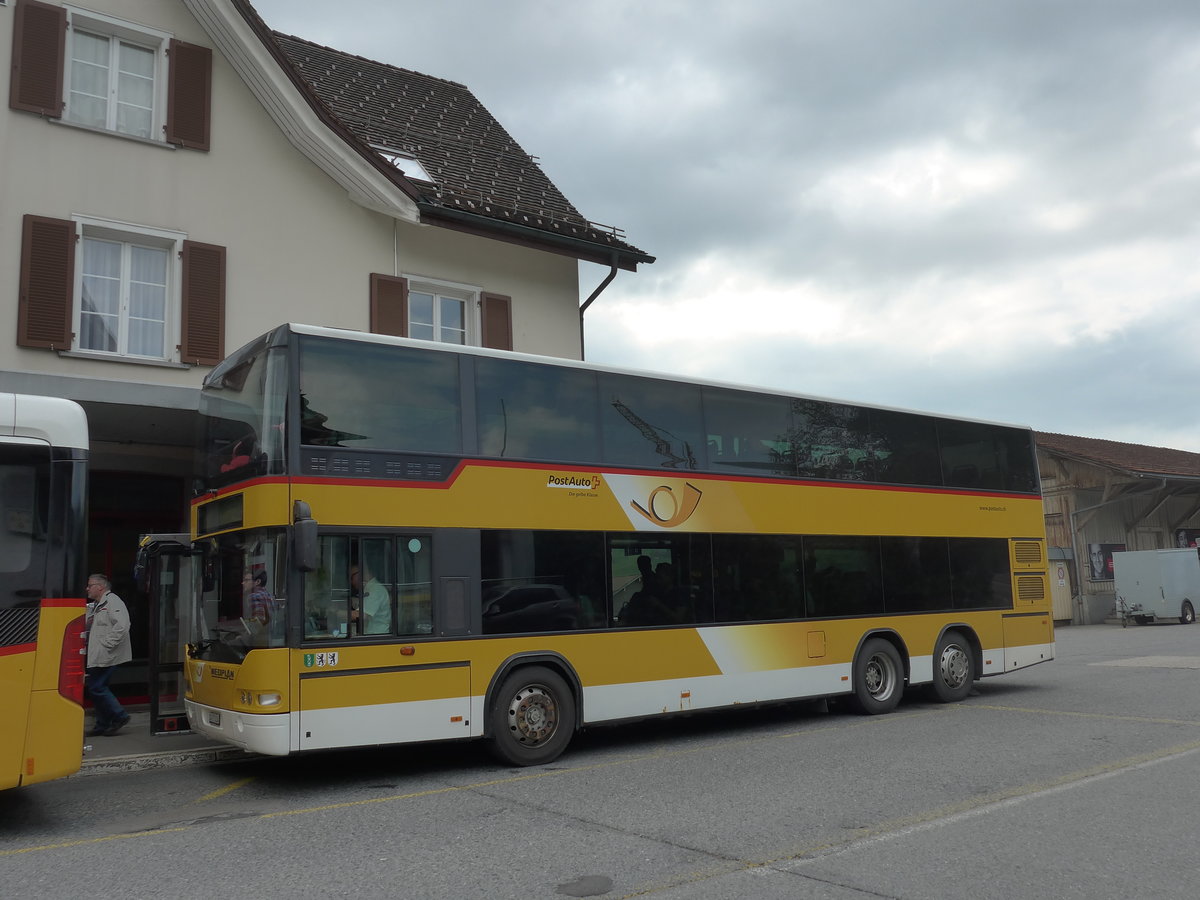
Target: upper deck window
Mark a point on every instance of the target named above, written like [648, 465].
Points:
[369, 396]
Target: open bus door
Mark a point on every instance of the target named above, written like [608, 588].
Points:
[166, 565]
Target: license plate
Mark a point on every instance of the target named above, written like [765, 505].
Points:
[214, 719]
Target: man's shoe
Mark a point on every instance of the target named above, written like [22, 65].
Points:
[98, 730]
[113, 729]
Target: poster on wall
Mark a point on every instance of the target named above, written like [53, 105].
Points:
[1101, 567]
[1187, 537]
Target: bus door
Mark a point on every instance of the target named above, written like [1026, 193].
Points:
[165, 571]
[368, 673]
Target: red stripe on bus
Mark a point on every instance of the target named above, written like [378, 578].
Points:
[18, 648]
[65, 602]
[604, 470]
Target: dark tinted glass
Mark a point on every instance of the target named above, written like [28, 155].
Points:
[242, 414]
[916, 574]
[842, 577]
[660, 579]
[653, 424]
[757, 577]
[831, 440]
[905, 448]
[25, 474]
[374, 396]
[981, 575]
[988, 457]
[530, 411]
[542, 581]
[747, 432]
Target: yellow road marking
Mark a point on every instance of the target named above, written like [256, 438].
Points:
[221, 792]
[1112, 717]
[85, 841]
[927, 819]
[861, 835]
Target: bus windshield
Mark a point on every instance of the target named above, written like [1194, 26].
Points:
[242, 409]
[239, 595]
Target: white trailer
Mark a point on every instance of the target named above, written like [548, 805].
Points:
[1157, 585]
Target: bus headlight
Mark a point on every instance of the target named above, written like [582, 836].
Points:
[270, 699]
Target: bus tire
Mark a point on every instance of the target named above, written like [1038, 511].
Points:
[532, 717]
[878, 677]
[953, 668]
[1188, 614]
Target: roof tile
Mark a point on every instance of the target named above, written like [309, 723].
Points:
[475, 163]
[1129, 457]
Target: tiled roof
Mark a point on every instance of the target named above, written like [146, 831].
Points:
[1137, 458]
[477, 167]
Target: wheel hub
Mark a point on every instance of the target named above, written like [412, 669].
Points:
[532, 716]
[954, 666]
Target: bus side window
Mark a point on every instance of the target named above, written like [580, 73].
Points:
[327, 591]
[414, 585]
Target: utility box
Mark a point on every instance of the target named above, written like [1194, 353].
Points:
[1157, 585]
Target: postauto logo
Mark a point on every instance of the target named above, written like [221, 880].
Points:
[666, 508]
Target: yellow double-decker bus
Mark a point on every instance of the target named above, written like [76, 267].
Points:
[403, 541]
[43, 485]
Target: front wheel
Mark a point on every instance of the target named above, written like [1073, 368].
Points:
[953, 668]
[1187, 615]
[532, 717]
[878, 677]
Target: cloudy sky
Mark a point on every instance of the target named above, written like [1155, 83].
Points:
[980, 209]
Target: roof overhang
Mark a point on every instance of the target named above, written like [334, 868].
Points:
[245, 42]
[515, 233]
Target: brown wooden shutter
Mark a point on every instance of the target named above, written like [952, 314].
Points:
[203, 304]
[38, 56]
[189, 95]
[389, 305]
[45, 297]
[497, 321]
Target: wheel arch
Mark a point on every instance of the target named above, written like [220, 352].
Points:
[892, 637]
[971, 638]
[550, 660]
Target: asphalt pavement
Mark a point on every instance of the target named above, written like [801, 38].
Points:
[136, 747]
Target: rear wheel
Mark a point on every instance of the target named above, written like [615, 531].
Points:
[1187, 615]
[532, 717]
[878, 677]
[953, 668]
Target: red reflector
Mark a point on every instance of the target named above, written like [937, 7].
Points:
[73, 662]
[407, 651]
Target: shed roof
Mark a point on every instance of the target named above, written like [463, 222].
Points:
[1134, 458]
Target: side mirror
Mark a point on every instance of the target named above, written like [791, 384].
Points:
[304, 531]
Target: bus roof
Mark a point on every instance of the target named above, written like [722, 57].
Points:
[52, 420]
[371, 338]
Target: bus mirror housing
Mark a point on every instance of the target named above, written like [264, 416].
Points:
[305, 537]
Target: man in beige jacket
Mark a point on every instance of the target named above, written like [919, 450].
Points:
[107, 647]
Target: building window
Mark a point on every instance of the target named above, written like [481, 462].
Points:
[115, 76]
[438, 313]
[78, 66]
[120, 291]
[128, 291]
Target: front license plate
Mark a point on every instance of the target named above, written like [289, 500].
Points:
[214, 719]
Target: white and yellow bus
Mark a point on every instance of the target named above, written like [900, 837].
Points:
[404, 541]
[43, 483]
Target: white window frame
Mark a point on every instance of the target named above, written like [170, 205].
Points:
[113, 28]
[126, 233]
[469, 295]
[408, 164]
